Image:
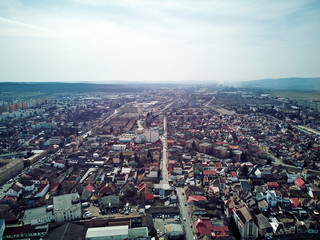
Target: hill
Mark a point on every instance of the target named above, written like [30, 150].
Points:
[284, 84]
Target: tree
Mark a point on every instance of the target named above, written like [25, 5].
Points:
[121, 157]
[245, 170]
[269, 161]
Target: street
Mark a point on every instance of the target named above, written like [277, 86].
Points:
[185, 219]
[164, 164]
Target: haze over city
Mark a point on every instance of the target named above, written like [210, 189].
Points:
[158, 41]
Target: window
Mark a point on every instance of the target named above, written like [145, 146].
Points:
[250, 228]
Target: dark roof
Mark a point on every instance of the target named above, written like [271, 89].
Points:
[67, 231]
[165, 209]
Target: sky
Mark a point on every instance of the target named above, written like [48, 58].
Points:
[158, 40]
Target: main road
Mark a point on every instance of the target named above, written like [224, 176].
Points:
[186, 221]
[164, 165]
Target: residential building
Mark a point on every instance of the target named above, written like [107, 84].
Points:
[67, 207]
[246, 222]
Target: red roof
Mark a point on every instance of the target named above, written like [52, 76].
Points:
[142, 187]
[53, 187]
[299, 182]
[10, 198]
[13, 231]
[273, 185]
[204, 227]
[90, 188]
[295, 202]
[149, 197]
[223, 180]
[233, 174]
[42, 187]
[221, 230]
[196, 198]
[209, 172]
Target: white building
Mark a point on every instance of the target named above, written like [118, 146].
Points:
[106, 233]
[67, 207]
[152, 136]
[37, 216]
[119, 147]
[246, 222]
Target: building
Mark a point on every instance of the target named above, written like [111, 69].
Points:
[108, 233]
[38, 216]
[2, 227]
[119, 147]
[67, 207]
[10, 168]
[173, 231]
[139, 233]
[246, 222]
[151, 136]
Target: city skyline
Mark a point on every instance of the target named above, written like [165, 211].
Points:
[170, 41]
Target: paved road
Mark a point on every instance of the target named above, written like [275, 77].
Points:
[140, 127]
[100, 124]
[184, 214]
[164, 164]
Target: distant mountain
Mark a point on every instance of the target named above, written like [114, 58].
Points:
[284, 84]
[58, 87]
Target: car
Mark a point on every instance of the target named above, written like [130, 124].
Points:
[185, 204]
[184, 219]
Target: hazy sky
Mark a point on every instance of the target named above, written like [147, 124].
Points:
[154, 40]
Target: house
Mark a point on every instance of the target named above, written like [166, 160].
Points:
[15, 190]
[295, 203]
[149, 197]
[74, 179]
[246, 222]
[220, 232]
[289, 226]
[213, 192]
[273, 186]
[209, 174]
[162, 191]
[194, 190]
[87, 192]
[291, 177]
[29, 186]
[265, 228]
[66, 207]
[314, 192]
[53, 188]
[278, 228]
[203, 227]
[173, 231]
[43, 190]
[197, 200]
[299, 183]
[109, 203]
[263, 205]
[107, 189]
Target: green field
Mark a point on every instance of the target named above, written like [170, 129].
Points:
[301, 95]
[21, 95]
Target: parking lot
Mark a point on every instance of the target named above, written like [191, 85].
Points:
[160, 222]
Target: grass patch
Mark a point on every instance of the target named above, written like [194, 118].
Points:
[300, 95]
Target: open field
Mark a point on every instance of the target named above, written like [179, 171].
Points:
[22, 94]
[301, 95]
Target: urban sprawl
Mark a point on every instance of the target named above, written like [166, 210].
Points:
[170, 163]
